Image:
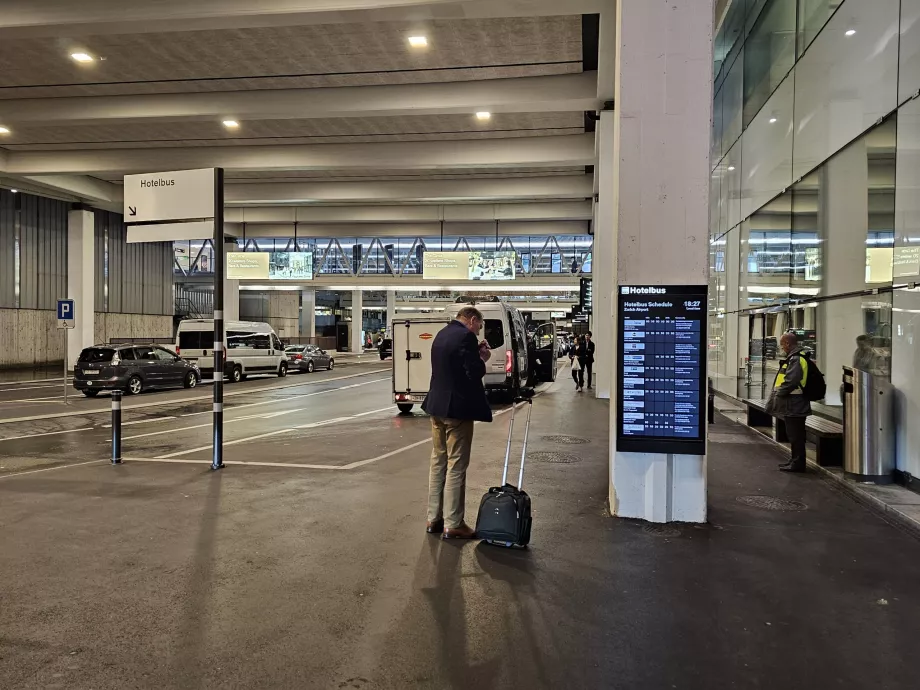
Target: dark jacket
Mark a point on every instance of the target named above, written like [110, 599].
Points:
[589, 353]
[456, 390]
[787, 399]
[579, 350]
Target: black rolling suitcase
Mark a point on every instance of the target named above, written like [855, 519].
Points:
[504, 513]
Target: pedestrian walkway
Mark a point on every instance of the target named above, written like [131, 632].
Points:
[153, 575]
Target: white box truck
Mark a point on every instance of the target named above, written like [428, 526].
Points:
[412, 339]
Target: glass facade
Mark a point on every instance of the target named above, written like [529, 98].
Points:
[816, 218]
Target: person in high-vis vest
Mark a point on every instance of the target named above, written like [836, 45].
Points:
[788, 400]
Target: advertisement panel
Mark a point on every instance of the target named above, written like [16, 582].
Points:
[290, 266]
[247, 266]
[486, 265]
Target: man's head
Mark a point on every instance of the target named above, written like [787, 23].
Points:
[789, 342]
[588, 336]
[863, 342]
[470, 317]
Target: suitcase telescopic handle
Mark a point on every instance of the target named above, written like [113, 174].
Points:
[520, 400]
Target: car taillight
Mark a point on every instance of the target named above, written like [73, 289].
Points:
[509, 362]
[177, 352]
[298, 356]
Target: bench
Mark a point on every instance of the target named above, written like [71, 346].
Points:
[826, 434]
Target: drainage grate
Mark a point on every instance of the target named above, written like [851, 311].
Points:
[771, 503]
[550, 456]
[662, 530]
[566, 440]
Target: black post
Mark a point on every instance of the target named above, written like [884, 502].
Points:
[116, 427]
[711, 403]
[217, 461]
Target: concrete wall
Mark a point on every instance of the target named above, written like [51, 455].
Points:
[110, 326]
[279, 309]
[29, 337]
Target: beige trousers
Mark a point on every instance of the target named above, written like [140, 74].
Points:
[451, 441]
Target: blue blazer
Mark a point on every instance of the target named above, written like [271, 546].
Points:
[456, 390]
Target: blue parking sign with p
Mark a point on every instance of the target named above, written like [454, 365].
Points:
[66, 312]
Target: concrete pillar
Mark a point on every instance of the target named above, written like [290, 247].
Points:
[603, 265]
[231, 291]
[357, 321]
[308, 313]
[81, 281]
[391, 310]
[660, 187]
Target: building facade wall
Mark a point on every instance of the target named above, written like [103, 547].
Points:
[814, 211]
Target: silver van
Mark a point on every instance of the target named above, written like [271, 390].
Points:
[252, 348]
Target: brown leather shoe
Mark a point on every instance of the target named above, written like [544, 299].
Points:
[464, 531]
[435, 526]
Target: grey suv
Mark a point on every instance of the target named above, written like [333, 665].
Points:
[132, 369]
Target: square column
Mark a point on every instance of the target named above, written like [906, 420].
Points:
[357, 321]
[659, 231]
[81, 231]
[231, 290]
[391, 310]
[308, 313]
[603, 265]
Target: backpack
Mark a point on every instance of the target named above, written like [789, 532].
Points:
[815, 387]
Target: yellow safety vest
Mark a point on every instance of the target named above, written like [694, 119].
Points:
[781, 375]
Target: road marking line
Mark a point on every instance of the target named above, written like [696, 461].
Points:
[48, 469]
[180, 401]
[14, 383]
[47, 433]
[361, 463]
[29, 388]
[277, 432]
[139, 421]
[234, 463]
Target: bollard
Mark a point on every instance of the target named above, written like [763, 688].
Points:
[711, 403]
[116, 427]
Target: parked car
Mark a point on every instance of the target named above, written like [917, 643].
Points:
[385, 348]
[132, 369]
[308, 358]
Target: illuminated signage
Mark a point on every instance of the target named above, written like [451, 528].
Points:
[469, 265]
[269, 265]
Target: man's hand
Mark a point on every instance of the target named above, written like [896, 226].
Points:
[485, 352]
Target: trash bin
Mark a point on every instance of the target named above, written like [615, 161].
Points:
[868, 427]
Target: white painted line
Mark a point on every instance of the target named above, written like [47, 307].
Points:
[234, 463]
[361, 463]
[139, 421]
[19, 400]
[277, 432]
[165, 431]
[49, 469]
[28, 388]
[180, 401]
[13, 383]
[47, 433]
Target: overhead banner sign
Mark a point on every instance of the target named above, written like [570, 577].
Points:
[661, 377]
[487, 265]
[269, 265]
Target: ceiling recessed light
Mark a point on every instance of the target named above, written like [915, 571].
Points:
[851, 32]
[4, 130]
[731, 167]
[231, 124]
[418, 41]
[483, 115]
[82, 57]
[772, 120]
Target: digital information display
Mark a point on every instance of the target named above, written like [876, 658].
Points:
[661, 367]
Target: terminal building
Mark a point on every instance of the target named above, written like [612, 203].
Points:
[213, 214]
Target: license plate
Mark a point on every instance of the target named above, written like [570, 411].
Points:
[418, 398]
[91, 372]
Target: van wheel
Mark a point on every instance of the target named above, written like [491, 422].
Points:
[236, 375]
[282, 370]
[190, 380]
[331, 364]
[405, 408]
[310, 367]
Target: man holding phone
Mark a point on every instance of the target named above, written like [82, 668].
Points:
[456, 401]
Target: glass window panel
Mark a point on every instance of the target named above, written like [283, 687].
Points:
[769, 53]
[909, 69]
[766, 156]
[732, 106]
[766, 254]
[813, 15]
[906, 262]
[905, 363]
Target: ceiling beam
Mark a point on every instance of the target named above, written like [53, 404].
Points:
[569, 151]
[307, 215]
[452, 229]
[430, 191]
[56, 18]
[85, 188]
[558, 93]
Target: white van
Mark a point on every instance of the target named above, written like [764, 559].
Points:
[505, 331]
[252, 348]
[412, 339]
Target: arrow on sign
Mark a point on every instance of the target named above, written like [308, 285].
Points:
[132, 210]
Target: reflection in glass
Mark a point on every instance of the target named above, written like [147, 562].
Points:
[769, 53]
[813, 15]
[766, 253]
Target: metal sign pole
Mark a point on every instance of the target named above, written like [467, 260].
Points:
[65, 365]
[217, 461]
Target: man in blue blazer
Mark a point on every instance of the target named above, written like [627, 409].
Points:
[456, 401]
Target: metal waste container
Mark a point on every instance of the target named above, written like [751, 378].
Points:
[868, 427]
